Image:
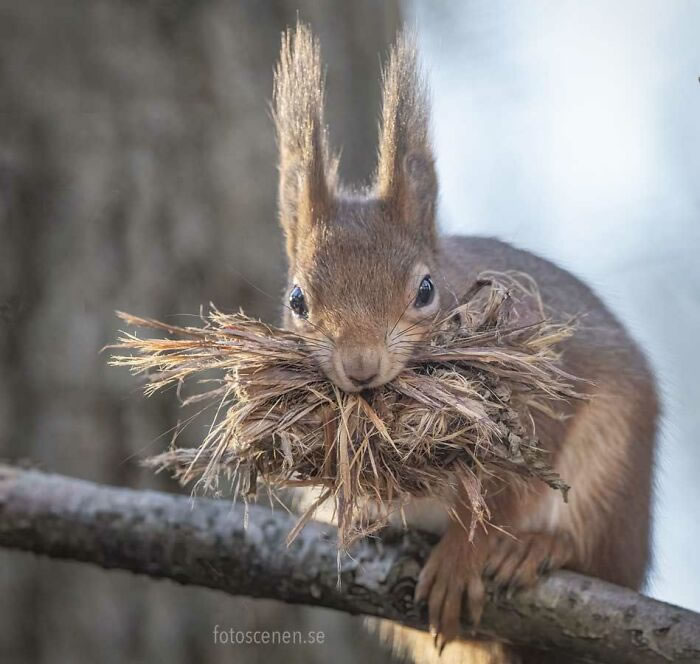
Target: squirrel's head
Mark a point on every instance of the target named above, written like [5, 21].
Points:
[363, 283]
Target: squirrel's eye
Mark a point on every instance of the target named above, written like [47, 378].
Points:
[426, 292]
[297, 303]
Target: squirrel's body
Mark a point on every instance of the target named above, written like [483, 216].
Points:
[604, 449]
[367, 270]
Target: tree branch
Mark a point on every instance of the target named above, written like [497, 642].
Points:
[205, 543]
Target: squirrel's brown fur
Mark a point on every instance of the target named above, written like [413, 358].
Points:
[357, 260]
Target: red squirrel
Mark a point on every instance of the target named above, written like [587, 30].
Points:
[368, 269]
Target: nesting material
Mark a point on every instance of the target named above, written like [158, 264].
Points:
[458, 415]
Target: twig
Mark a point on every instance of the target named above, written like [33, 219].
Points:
[205, 543]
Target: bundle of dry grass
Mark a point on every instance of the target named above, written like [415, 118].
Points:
[460, 411]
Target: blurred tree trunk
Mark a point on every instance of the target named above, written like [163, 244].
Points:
[137, 172]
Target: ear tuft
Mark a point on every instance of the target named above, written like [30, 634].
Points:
[421, 188]
[406, 176]
[307, 172]
[418, 170]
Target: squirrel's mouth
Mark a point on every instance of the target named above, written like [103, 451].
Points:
[342, 381]
[369, 392]
[360, 368]
[352, 388]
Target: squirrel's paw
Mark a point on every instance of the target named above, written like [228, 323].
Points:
[454, 567]
[517, 563]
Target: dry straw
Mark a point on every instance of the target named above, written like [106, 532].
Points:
[457, 416]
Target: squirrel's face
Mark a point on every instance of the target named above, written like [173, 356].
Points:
[363, 292]
[363, 288]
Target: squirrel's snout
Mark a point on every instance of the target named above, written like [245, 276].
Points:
[361, 365]
[355, 366]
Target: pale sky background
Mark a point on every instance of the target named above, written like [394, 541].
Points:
[572, 129]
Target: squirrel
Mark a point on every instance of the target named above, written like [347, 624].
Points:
[367, 271]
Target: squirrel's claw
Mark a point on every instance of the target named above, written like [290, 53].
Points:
[452, 568]
[515, 564]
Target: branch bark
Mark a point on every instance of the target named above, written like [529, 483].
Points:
[205, 543]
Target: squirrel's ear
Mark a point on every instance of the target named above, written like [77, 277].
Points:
[307, 173]
[406, 177]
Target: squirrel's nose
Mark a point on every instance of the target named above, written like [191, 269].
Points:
[362, 381]
[361, 366]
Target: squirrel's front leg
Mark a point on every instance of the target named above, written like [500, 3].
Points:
[458, 567]
[454, 567]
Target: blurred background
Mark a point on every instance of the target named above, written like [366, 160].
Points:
[137, 172]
